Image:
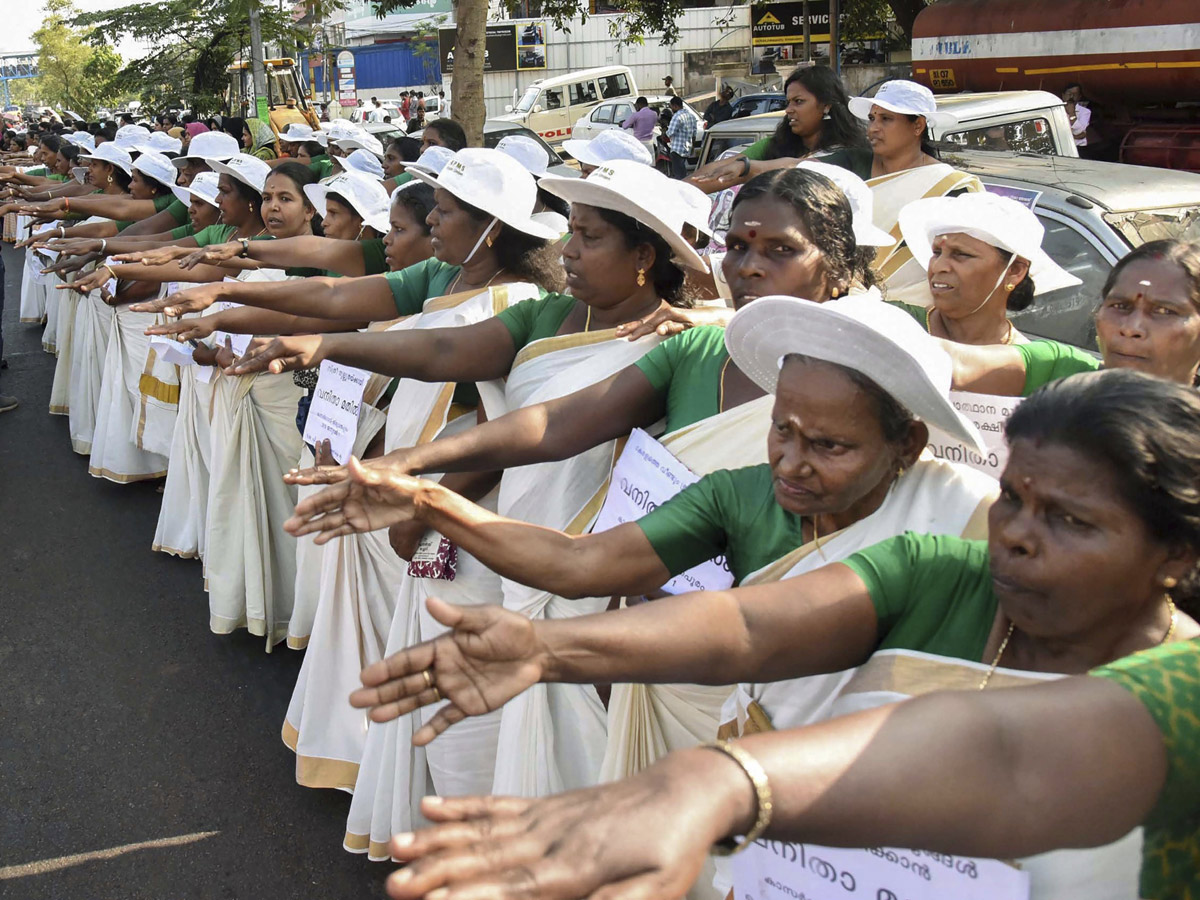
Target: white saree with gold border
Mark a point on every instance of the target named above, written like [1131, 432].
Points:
[183, 515]
[250, 561]
[553, 736]
[359, 577]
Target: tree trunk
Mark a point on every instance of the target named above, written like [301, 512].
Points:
[466, 82]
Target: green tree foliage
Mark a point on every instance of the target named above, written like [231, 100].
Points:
[192, 43]
[73, 74]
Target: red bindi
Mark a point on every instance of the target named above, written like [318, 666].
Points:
[753, 233]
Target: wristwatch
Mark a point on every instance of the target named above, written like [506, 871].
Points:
[245, 242]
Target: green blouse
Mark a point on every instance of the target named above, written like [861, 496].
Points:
[178, 210]
[1045, 360]
[536, 318]
[411, 287]
[730, 513]
[374, 258]
[931, 593]
[322, 166]
[1166, 680]
[213, 234]
[687, 369]
[161, 202]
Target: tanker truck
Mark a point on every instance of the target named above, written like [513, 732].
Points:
[1138, 62]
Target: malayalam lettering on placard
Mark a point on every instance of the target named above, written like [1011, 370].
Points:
[646, 476]
[989, 413]
[777, 870]
[333, 413]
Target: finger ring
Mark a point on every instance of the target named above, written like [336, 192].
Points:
[437, 695]
[428, 678]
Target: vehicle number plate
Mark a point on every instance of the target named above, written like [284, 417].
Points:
[942, 78]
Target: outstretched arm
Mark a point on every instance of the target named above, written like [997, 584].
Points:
[1003, 774]
[343, 257]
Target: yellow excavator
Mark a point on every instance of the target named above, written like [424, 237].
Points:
[287, 94]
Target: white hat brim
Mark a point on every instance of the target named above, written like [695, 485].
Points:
[915, 226]
[766, 330]
[222, 169]
[591, 193]
[127, 169]
[860, 107]
[317, 194]
[524, 224]
[185, 194]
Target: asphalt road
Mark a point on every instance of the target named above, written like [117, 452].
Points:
[123, 720]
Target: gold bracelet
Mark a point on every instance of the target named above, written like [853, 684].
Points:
[762, 792]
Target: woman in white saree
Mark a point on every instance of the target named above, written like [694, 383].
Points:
[618, 267]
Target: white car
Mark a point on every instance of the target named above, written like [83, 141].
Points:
[611, 113]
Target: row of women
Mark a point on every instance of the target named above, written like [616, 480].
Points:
[467, 632]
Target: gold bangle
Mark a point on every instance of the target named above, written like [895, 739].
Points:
[762, 792]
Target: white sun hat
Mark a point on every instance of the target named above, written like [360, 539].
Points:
[129, 136]
[697, 206]
[110, 153]
[431, 161]
[493, 182]
[526, 151]
[363, 141]
[159, 142]
[360, 161]
[249, 170]
[363, 192]
[210, 146]
[203, 186]
[343, 128]
[609, 145]
[296, 133]
[83, 139]
[158, 167]
[862, 202]
[860, 332]
[638, 191]
[1005, 224]
[904, 97]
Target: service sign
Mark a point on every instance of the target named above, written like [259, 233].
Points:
[774, 24]
[776, 870]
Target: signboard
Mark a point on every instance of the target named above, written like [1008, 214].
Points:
[508, 48]
[333, 415]
[989, 413]
[347, 90]
[646, 476]
[783, 23]
[776, 870]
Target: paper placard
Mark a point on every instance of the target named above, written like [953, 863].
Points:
[775, 870]
[645, 477]
[239, 342]
[333, 414]
[110, 286]
[989, 413]
[177, 353]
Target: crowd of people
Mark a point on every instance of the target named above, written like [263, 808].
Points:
[821, 632]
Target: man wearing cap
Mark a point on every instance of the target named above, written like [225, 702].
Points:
[669, 86]
[681, 137]
[720, 109]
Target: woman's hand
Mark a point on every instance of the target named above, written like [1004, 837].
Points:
[405, 537]
[364, 497]
[156, 257]
[281, 354]
[192, 299]
[214, 255]
[719, 175]
[93, 280]
[489, 656]
[668, 320]
[225, 356]
[204, 355]
[642, 838]
[186, 329]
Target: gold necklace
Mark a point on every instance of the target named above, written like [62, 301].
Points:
[587, 323]
[488, 283]
[721, 386]
[929, 311]
[1004, 644]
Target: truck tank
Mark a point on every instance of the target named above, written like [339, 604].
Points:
[1124, 52]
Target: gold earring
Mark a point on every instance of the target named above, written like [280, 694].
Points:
[834, 293]
[489, 240]
[1169, 582]
[1009, 287]
[110, 179]
[641, 280]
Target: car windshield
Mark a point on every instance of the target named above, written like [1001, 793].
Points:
[528, 100]
[1145, 225]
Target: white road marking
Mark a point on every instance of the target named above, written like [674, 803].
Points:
[41, 867]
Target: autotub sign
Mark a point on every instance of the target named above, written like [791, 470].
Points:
[773, 24]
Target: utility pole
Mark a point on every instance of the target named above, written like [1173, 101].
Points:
[256, 65]
[835, 36]
[807, 34]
